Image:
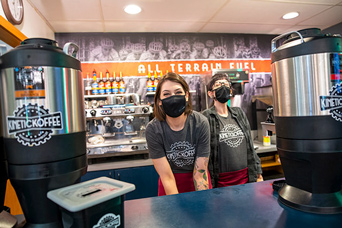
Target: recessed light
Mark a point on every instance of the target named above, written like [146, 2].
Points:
[290, 15]
[132, 9]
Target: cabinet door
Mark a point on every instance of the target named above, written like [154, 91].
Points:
[144, 178]
[95, 174]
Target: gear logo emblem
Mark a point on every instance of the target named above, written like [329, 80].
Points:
[333, 102]
[232, 135]
[181, 153]
[32, 125]
[109, 220]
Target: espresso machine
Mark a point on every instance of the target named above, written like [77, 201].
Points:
[116, 125]
[43, 125]
[307, 97]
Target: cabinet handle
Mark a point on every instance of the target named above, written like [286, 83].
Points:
[118, 176]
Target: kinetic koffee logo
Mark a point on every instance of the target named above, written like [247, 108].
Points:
[32, 125]
[108, 220]
[232, 135]
[182, 153]
[333, 103]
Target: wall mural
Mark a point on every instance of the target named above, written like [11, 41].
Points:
[191, 55]
[166, 46]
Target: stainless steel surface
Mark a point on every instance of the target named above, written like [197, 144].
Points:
[7, 220]
[121, 142]
[118, 110]
[113, 99]
[298, 84]
[116, 129]
[107, 148]
[70, 102]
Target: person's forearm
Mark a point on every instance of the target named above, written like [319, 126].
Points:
[200, 174]
[170, 186]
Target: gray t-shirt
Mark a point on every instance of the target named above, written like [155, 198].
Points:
[181, 148]
[232, 146]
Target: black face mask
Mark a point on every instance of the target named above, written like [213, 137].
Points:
[222, 94]
[174, 106]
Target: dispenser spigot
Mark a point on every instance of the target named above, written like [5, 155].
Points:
[96, 125]
[130, 118]
[107, 121]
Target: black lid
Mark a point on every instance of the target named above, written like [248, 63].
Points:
[310, 32]
[38, 52]
[314, 41]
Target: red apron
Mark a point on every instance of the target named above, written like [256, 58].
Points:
[233, 178]
[184, 182]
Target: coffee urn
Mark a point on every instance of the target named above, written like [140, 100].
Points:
[43, 122]
[3, 169]
[306, 77]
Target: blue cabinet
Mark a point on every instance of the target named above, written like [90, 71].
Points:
[95, 174]
[144, 178]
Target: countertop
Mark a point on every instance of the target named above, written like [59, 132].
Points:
[264, 149]
[250, 205]
[132, 162]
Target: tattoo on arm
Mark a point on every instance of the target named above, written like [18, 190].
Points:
[200, 174]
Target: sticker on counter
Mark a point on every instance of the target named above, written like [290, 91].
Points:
[32, 125]
[29, 82]
[333, 102]
[108, 220]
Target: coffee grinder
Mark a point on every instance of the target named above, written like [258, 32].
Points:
[42, 108]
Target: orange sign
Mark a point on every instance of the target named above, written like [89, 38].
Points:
[181, 67]
[29, 93]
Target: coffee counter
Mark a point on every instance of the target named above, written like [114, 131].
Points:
[138, 162]
[249, 205]
[120, 164]
[141, 173]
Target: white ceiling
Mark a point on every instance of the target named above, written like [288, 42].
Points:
[203, 16]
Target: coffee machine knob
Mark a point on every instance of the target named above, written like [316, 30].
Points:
[93, 112]
[145, 109]
[134, 147]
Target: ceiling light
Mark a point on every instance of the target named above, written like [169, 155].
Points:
[290, 15]
[132, 9]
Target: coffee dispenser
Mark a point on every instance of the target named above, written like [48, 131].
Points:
[307, 88]
[3, 169]
[43, 123]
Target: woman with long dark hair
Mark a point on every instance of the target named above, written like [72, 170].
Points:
[178, 139]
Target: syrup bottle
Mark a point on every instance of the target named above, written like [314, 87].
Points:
[94, 85]
[115, 84]
[149, 83]
[122, 88]
[156, 81]
[108, 84]
[101, 85]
